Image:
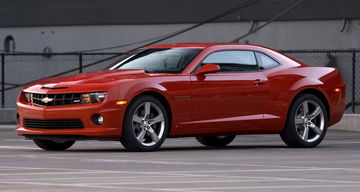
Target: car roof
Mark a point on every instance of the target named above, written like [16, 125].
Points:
[200, 45]
[228, 46]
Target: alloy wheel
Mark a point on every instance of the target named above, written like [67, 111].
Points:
[309, 121]
[148, 123]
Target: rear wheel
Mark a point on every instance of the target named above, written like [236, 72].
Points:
[307, 122]
[52, 145]
[145, 125]
[215, 141]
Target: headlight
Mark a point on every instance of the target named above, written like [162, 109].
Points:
[27, 96]
[95, 97]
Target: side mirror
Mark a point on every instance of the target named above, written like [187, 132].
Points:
[207, 68]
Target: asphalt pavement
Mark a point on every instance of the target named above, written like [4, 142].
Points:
[250, 163]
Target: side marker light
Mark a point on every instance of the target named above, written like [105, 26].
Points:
[337, 90]
[121, 102]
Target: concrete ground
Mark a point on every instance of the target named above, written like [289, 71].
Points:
[250, 163]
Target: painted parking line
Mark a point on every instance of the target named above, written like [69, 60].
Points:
[8, 127]
[163, 162]
[264, 187]
[64, 171]
[16, 147]
[72, 185]
[88, 177]
[272, 169]
[192, 181]
[167, 175]
[118, 185]
[187, 189]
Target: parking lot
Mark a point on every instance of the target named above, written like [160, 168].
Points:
[250, 163]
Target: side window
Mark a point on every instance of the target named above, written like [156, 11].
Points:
[265, 62]
[232, 61]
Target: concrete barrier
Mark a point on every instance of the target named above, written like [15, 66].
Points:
[7, 116]
[349, 122]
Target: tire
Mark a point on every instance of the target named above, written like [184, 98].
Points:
[306, 123]
[215, 141]
[50, 145]
[146, 124]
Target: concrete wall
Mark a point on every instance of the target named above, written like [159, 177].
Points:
[349, 122]
[278, 35]
[7, 116]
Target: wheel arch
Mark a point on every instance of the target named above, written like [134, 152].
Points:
[161, 98]
[315, 92]
[288, 134]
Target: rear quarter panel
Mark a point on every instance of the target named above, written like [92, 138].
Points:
[288, 83]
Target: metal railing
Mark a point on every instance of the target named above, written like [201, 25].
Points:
[20, 69]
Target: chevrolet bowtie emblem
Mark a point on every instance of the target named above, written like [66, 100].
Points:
[46, 100]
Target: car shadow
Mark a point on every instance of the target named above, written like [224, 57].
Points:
[187, 148]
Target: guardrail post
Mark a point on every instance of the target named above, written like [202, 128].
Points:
[353, 81]
[2, 81]
[80, 63]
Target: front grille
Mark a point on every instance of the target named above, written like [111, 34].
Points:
[54, 124]
[55, 99]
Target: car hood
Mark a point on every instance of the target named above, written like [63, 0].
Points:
[85, 81]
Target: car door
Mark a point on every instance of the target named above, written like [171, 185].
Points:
[232, 100]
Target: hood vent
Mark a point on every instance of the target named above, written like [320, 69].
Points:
[45, 87]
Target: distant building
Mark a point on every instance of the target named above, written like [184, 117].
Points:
[67, 25]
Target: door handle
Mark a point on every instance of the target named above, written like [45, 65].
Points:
[259, 82]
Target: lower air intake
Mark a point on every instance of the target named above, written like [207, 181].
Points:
[54, 124]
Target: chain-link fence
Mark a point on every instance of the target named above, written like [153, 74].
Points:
[18, 70]
[347, 61]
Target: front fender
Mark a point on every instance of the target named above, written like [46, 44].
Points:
[175, 90]
[141, 87]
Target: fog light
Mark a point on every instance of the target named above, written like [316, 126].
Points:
[98, 119]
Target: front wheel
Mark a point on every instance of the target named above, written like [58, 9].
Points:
[50, 145]
[306, 123]
[145, 125]
[215, 141]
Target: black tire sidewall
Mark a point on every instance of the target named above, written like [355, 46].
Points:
[51, 145]
[290, 135]
[215, 141]
[128, 138]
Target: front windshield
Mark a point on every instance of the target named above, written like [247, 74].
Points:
[168, 60]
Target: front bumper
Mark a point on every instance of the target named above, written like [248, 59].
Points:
[111, 128]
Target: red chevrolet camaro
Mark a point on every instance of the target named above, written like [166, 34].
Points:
[212, 91]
